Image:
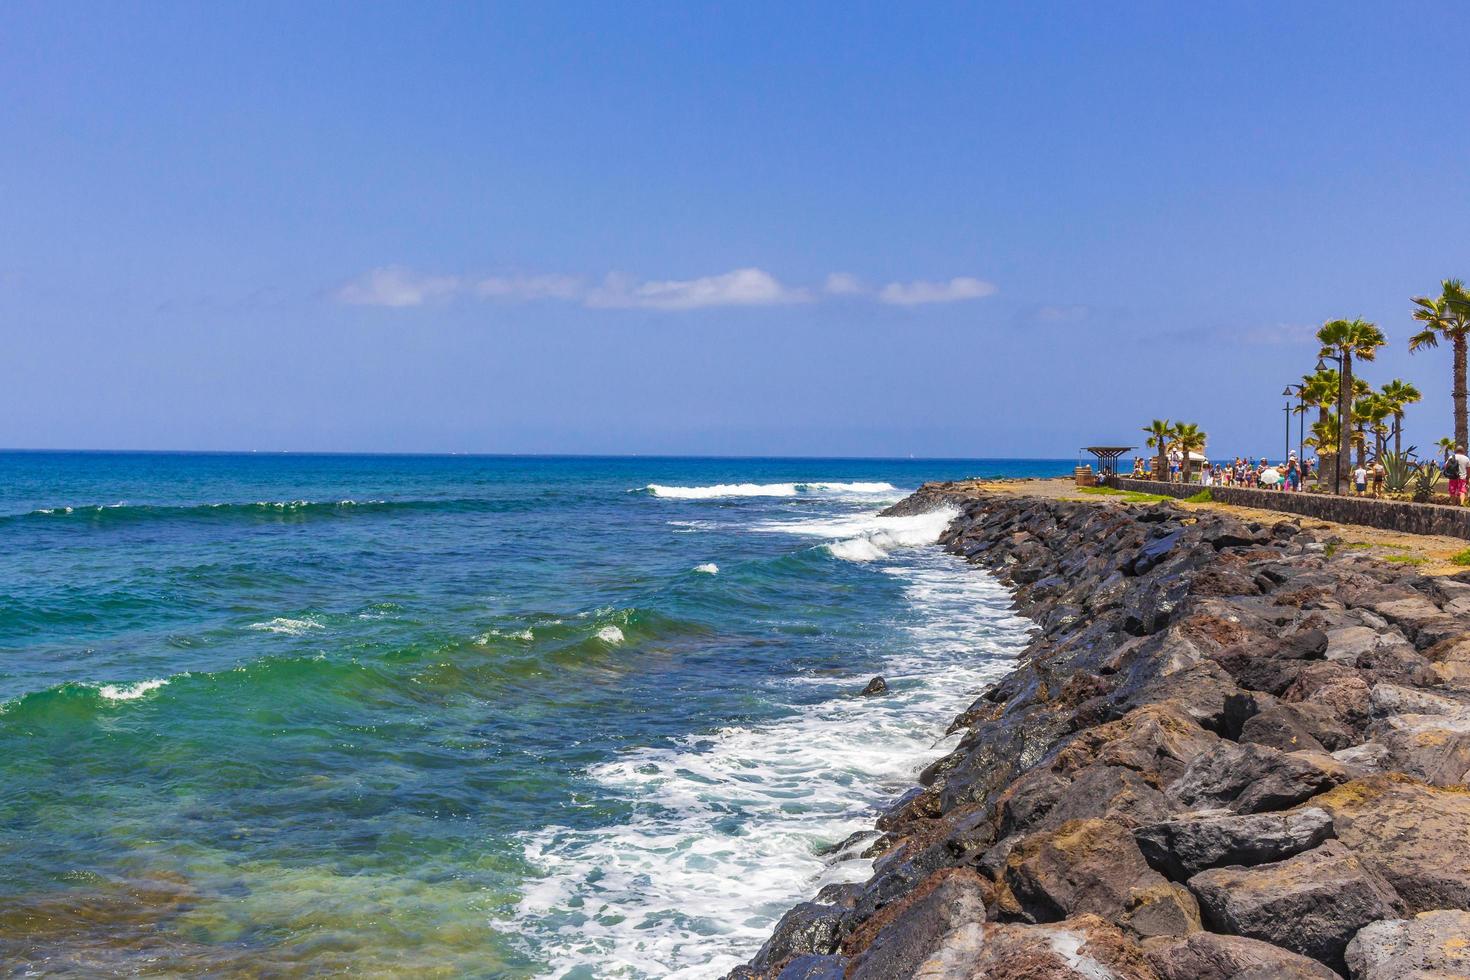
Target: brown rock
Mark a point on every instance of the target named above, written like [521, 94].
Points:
[942, 919]
[1415, 836]
[1210, 956]
[1186, 846]
[1312, 904]
[1081, 948]
[1094, 866]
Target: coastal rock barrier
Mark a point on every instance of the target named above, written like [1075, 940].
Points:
[1389, 515]
[1230, 751]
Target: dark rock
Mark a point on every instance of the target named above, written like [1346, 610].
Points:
[1152, 553]
[1311, 904]
[1430, 945]
[1252, 778]
[1094, 866]
[943, 919]
[875, 686]
[1210, 956]
[1280, 728]
[807, 928]
[1184, 847]
[814, 968]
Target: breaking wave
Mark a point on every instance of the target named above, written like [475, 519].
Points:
[766, 490]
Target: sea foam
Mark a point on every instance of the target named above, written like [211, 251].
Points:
[727, 830]
[765, 490]
[869, 537]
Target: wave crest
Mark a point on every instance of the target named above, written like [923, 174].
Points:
[765, 490]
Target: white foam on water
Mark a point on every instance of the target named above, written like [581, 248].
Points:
[610, 634]
[708, 568]
[289, 627]
[130, 692]
[726, 829]
[766, 489]
[869, 537]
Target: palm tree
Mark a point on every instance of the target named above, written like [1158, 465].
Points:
[1320, 391]
[1399, 394]
[1324, 436]
[1188, 439]
[1447, 315]
[1344, 340]
[1371, 411]
[1446, 445]
[1160, 431]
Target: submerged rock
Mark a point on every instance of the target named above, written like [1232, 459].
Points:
[875, 686]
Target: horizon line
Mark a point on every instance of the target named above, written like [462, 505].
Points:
[513, 455]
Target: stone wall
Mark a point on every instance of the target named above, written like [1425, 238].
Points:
[1390, 515]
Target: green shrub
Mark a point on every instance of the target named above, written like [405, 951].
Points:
[1461, 558]
[1203, 497]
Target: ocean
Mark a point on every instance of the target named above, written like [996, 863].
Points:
[456, 715]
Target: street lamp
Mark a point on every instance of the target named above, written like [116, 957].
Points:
[1287, 451]
[1300, 391]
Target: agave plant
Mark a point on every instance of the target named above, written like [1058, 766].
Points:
[1426, 478]
[1399, 470]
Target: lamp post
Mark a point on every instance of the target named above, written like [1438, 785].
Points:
[1300, 391]
[1287, 451]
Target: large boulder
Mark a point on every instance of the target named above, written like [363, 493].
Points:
[1430, 945]
[1250, 778]
[1211, 956]
[1081, 948]
[1094, 866]
[1312, 904]
[808, 928]
[941, 922]
[1415, 836]
[1183, 848]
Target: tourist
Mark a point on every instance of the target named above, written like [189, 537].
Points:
[1138, 473]
[1293, 474]
[1360, 479]
[1456, 467]
[1207, 475]
[1379, 472]
[1174, 463]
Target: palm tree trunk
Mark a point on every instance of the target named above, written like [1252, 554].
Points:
[1325, 460]
[1161, 471]
[1345, 419]
[1462, 427]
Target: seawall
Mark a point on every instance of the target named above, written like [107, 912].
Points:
[1390, 515]
[1229, 751]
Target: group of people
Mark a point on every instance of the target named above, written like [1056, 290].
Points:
[1289, 476]
[1368, 476]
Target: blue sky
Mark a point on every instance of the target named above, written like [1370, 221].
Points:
[871, 229]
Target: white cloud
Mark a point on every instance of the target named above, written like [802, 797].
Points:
[530, 287]
[743, 287]
[396, 287]
[844, 284]
[922, 291]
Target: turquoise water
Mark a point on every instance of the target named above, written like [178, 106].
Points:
[457, 716]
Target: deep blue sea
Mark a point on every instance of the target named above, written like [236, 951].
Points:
[459, 716]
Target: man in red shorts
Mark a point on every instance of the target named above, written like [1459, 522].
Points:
[1456, 469]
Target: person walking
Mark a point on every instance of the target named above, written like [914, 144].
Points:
[1293, 475]
[1378, 474]
[1360, 479]
[1456, 468]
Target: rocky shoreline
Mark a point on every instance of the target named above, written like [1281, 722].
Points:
[1231, 751]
